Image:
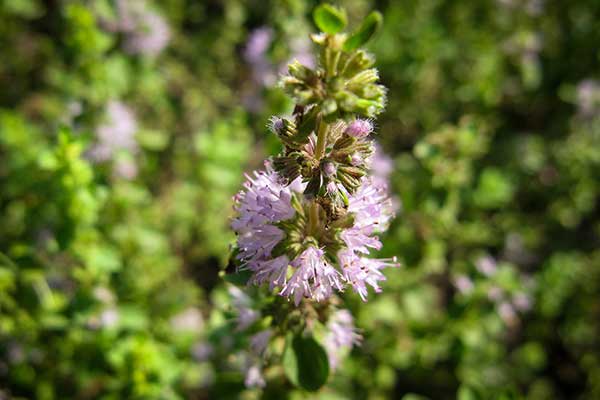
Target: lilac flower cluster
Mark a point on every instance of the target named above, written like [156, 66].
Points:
[266, 205]
[507, 304]
[145, 31]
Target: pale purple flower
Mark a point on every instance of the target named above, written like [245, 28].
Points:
[256, 245]
[263, 201]
[373, 210]
[507, 313]
[258, 43]
[332, 187]
[588, 97]
[341, 336]
[301, 51]
[356, 159]
[486, 265]
[381, 168]
[273, 272]
[328, 169]
[361, 271]
[104, 295]
[254, 377]
[381, 164]
[145, 31]
[522, 302]
[117, 132]
[189, 320]
[359, 128]
[464, 284]
[109, 317]
[16, 354]
[515, 250]
[259, 341]
[246, 315]
[255, 54]
[125, 168]
[314, 277]
[535, 7]
[495, 293]
[202, 351]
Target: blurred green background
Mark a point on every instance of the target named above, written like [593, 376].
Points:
[126, 127]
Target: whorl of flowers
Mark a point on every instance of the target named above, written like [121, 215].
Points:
[307, 223]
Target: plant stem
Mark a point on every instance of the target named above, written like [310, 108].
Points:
[321, 138]
[313, 217]
[313, 212]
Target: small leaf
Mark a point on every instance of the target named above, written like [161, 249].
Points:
[367, 30]
[239, 278]
[305, 362]
[152, 140]
[329, 19]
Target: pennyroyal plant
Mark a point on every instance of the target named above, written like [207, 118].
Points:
[307, 223]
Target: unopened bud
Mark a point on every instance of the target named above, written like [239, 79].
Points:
[328, 168]
[363, 78]
[359, 128]
[356, 159]
[300, 71]
[331, 187]
[362, 60]
[276, 125]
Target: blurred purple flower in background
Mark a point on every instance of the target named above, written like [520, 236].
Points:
[115, 139]
[145, 30]
[116, 133]
[463, 284]
[486, 265]
[341, 336]
[588, 98]
[255, 54]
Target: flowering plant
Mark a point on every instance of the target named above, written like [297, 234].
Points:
[307, 222]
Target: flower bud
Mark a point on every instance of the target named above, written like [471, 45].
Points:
[360, 61]
[359, 128]
[300, 71]
[328, 168]
[363, 78]
[276, 125]
[331, 187]
[356, 159]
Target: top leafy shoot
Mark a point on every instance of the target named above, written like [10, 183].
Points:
[345, 83]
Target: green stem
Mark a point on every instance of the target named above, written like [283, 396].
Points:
[321, 138]
[335, 62]
[313, 212]
[313, 217]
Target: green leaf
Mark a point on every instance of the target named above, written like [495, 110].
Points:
[330, 19]
[152, 140]
[365, 32]
[239, 278]
[305, 362]
[495, 189]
